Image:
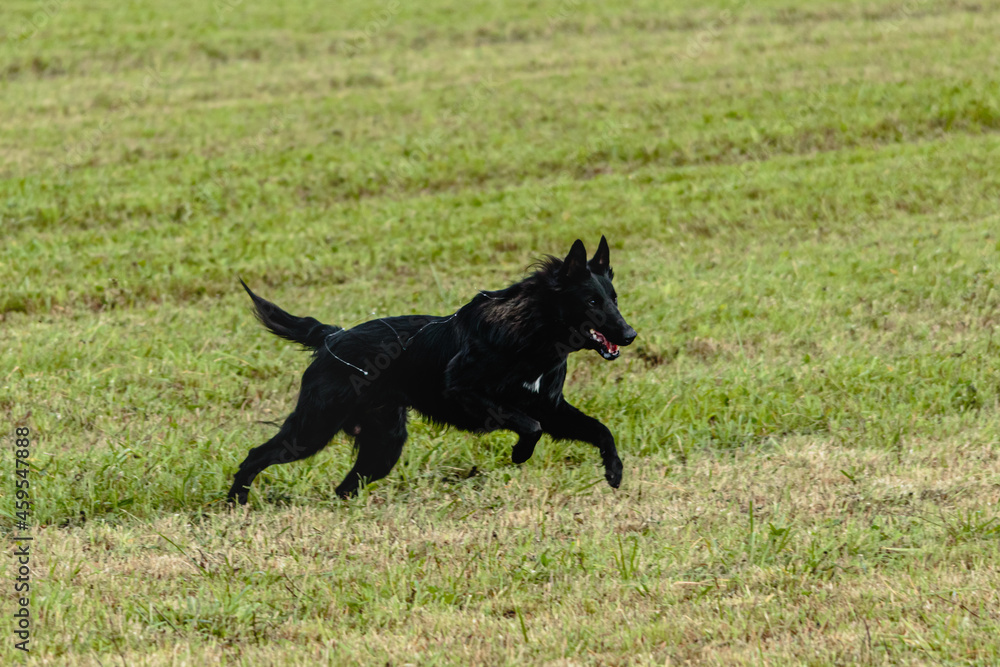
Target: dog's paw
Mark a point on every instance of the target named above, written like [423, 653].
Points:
[521, 453]
[237, 495]
[613, 472]
[236, 500]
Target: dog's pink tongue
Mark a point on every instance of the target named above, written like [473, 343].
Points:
[608, 345]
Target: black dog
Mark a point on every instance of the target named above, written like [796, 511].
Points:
[497, 363]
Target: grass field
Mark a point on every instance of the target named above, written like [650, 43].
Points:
[802, 202]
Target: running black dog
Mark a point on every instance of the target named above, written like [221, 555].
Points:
[497, 363]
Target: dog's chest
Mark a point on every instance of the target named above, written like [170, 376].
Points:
[535, 381]
[534, 386]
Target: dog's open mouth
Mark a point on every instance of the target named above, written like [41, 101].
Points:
[608, 349]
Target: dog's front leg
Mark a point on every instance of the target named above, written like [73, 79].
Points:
[465, 375]
[495, 417]
[565, 422]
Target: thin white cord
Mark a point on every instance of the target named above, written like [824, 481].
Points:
[326, 341]
[326, 344]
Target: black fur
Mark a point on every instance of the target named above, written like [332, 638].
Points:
[497, 363]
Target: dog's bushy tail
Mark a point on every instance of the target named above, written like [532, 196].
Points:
[305, 331]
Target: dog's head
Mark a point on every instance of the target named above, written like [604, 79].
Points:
[589, 303]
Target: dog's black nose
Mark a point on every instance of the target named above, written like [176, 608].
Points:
[630, 335]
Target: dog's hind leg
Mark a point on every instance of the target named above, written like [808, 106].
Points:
[379, 442]
[303, 434]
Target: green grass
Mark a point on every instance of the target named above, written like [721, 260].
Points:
[802, 207]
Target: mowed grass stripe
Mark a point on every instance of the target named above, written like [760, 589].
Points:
[182, 255]
[118, 39]
[526, 73]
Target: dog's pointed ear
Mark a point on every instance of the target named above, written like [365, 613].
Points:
[575, 264]
[600, 263]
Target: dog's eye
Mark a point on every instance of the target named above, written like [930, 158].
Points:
[593, 301]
